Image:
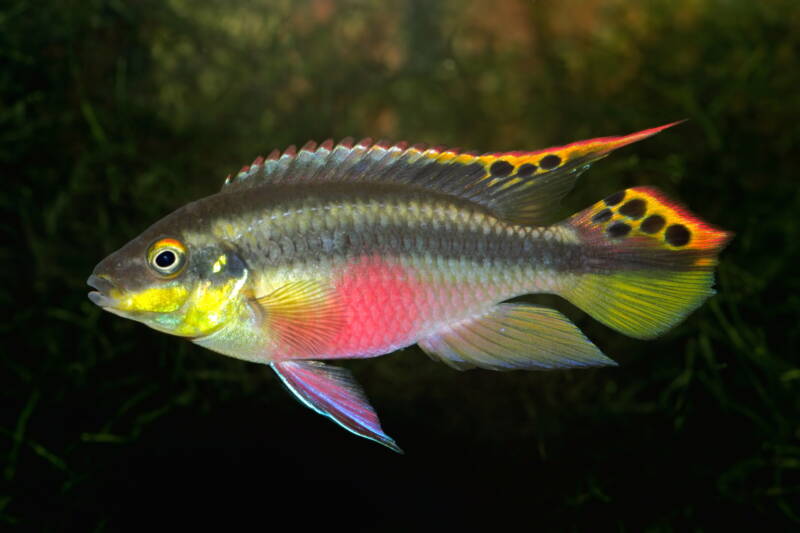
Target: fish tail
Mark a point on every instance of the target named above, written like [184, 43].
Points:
[649, 262]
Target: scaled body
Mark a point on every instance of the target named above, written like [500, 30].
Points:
[356, 251]
[398, 262]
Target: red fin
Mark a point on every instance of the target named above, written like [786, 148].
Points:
[650, 261]
[332, 391]
[702, 235]
[520, 186]
[654, 219]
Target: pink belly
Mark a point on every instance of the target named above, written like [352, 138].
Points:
[381, 301]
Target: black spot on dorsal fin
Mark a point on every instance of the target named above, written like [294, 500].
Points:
[523, 187]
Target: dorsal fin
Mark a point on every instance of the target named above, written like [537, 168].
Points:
[522, 187]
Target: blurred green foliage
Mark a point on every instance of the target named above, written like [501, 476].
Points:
[113, 113]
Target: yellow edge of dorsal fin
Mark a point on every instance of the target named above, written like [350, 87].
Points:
[520, 186]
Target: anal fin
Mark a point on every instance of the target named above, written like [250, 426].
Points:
[333, 392]
[515, 336]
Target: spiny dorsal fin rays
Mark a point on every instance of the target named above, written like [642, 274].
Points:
[522, 187]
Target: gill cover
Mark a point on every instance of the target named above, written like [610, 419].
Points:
[215, 277]
[176, 288]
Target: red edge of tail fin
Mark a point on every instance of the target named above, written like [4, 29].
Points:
[712, 236]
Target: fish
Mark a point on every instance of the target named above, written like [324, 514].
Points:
[359, 249]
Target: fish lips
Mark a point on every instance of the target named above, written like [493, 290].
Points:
[104, 286]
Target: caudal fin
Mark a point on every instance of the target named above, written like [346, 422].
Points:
[651, 262]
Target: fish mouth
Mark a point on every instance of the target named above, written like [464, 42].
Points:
[100, 296]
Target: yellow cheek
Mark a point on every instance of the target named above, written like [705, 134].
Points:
[156, 299]
[209, 309]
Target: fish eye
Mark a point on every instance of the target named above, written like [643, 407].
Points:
[167, 257]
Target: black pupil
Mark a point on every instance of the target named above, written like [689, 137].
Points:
[165, 259]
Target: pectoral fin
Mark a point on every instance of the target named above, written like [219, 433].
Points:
[304, 315]
[332, 391]
[515, 336]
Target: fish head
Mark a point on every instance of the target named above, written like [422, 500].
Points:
[180, 282]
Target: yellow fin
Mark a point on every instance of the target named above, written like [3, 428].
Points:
[515, 336]
[652, 261]
[304, 315]
[642, 304]
[522, 186]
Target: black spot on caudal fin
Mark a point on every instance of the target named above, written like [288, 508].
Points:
[615, 198]
[635, 208]
[501, 168]
[618, 229]
[550, 162]
[655, 270]
[677, 235]
[653, 224]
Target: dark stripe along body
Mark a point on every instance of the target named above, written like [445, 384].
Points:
[287, 225]
[356, 250]
[453, 257]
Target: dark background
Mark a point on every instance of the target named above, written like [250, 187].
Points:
[114, 113]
